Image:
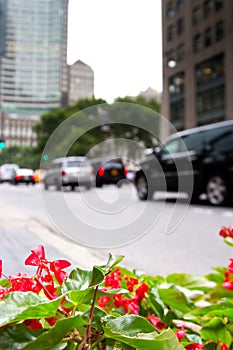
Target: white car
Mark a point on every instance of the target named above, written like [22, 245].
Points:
[70, 171]
[23, 175]
[7, 172]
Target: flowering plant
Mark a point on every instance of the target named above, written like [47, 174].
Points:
[113, 308]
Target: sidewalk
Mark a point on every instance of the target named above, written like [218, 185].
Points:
[20, 234]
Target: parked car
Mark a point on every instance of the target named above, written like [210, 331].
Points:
[203, 155]
[7, 172]
[110, 172]
[23, 175]
[69, 171]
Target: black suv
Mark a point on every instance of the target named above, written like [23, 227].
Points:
[196, 161]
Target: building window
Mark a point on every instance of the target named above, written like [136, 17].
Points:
[177, 114]
[208, 7]
[170, 9]
[197, 43]
[180, 53]
[210, 70]
[208, 37]
[180, 26]
[196, 15]
[176, 84]
[219, 5]
[210, 100]
[170, 33]
[219, 30]
[179, 4]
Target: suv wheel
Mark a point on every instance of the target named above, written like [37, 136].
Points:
[216, 190]
[142, 188]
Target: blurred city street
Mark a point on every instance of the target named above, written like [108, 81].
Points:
[194, 247]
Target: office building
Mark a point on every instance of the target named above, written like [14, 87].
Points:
[81, 82]
[197, 61]
[33, 68]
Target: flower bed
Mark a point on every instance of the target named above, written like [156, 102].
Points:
[113, 308]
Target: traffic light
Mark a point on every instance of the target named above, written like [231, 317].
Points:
[2, 143]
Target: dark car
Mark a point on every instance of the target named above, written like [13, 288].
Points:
[197, 161]
[110, 172]
[23, 175]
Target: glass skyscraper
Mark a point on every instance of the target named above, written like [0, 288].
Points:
[33, 57]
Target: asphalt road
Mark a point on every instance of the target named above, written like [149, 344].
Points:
[157, 237]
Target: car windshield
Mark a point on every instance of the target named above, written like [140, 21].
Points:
[109, 165]
[76, 164]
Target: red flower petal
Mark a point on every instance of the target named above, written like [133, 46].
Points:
[59, 264]
[38, 254]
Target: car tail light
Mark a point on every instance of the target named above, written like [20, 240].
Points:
[63, 173]
[125, 171]
[33, 177]
[101, 171]
[18, 177]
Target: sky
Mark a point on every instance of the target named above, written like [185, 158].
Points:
[121, 40]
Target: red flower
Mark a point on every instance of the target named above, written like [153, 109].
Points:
[3, 292]
[103, 301]
[180, 333]
[131, 282]
[37, 258]
[22, 283]
[114, 279]
[130, 305]
[195, 346]
[51, 321]
[226, 232]
[228, 284]
[156, 322]
[140, 292]
[57, 267]
[224, 347]
[228, 281]
[33, 324]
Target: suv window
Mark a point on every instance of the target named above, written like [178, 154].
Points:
[196, 141]
[74, 164]
[225, 143]
[173, 146]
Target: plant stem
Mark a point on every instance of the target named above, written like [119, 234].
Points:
[86, 342]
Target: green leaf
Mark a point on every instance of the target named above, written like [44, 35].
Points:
[156, 303]
[190, 281]
[224, 309]
[15, 337]
[20, 306]
[175, 299]
[137, 332]
[116, 345]
[216, 330]
[97, 276]
[19, 337]
[113, 261]
[79, 297]
[81, 279]
[229, 241]
[54, 335]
